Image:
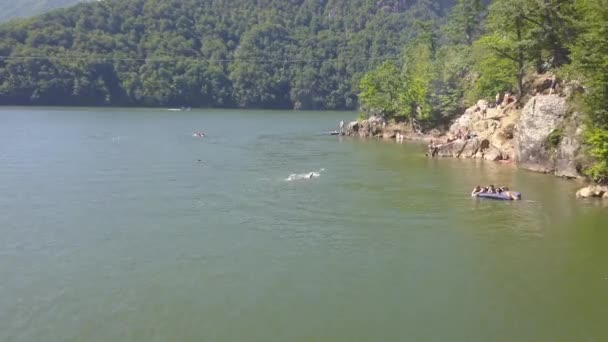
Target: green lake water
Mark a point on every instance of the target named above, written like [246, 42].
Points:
[119, 225]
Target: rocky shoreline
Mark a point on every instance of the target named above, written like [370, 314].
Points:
[544, 135]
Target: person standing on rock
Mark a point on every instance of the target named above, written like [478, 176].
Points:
[341, 127]
[553, 82]
[505, 100]
[497, 100]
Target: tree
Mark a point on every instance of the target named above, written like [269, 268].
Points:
[590, 62]
[464, 22]
[380, 90]
[418, 77]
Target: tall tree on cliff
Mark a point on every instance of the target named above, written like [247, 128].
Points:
[529, 33]
[508, 36]
[590, 60]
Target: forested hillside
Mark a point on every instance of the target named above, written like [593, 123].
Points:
[482, 51]
[10, 9]
[306, 54]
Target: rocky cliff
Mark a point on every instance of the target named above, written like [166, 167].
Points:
[548, 138]
[544, 136]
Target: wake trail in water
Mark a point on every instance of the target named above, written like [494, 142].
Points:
[302, 176]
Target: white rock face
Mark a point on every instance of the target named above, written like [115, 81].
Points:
[540, 117]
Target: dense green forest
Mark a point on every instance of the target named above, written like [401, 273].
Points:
[483, 50]
[10, 9]
[306, 54]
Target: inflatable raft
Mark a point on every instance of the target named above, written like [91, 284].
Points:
[503, 197]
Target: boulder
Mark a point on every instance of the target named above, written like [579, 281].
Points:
[566, 163]
[584, 193]
[471, 148]
[507, 132]
[541, 116]
[352, 128]
[569, 155]
[542, 83]
[376, 129]
[366, 129]
[435, 133]
[593, 191]
[464, 122]
[389, 134]
[377, 119]
[372, 127]
[492, 154]
[453, 149]
[572, 88]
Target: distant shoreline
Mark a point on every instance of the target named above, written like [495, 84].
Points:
[2, 106]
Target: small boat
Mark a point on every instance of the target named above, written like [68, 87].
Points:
[512, 195]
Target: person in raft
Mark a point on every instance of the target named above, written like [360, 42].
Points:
[503, 190]
[485, 190]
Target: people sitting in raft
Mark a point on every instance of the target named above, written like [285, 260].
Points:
[484, 190]
[503, 190]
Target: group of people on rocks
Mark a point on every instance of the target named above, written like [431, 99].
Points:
[507, 99]
[489, 190]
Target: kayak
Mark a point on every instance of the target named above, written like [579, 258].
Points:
[502, 197]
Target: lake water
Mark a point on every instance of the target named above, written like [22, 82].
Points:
[119, 225]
